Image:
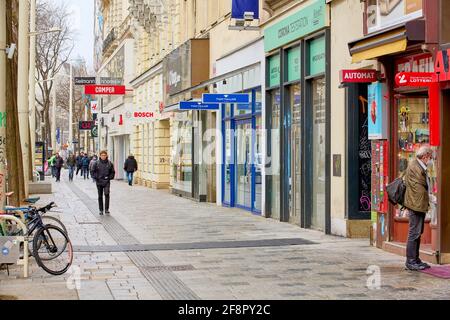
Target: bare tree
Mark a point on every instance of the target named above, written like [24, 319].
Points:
[15, 170]
[52, 52]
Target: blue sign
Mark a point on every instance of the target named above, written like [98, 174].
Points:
[376, 112]
[5, 251]
[197, 105]
[58, 135]
[226, 98]
[239, 7]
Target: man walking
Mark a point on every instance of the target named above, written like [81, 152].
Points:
[71, 162]
[130, 166]
[51, 163]
[417, 201]
[59, 162]
[85, 167]
[91, 166]
[79, 162]
[103, 172]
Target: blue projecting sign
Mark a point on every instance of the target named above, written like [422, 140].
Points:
[226, 98]
[239, 7]
[198, 105]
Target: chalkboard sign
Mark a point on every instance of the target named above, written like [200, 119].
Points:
[365, 160]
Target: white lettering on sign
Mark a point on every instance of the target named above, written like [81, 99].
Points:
[174, 78]
[100, 90]
[358, 76]
[419, 63]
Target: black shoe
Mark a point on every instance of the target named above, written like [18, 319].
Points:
[107, 212]
[414, 266]
[424, 264]
[101, 213]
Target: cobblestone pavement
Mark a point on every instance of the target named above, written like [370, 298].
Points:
[159, 246]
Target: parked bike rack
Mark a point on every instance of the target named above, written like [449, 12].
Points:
[10, 246]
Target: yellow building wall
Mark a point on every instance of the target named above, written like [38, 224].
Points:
[343, 30]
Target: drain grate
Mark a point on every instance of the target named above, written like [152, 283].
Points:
[186, 267]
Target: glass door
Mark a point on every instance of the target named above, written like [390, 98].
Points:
[295, 155]
[244, 164]
[318, 156]
[274, 169]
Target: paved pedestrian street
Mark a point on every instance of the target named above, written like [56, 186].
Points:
[155, 245]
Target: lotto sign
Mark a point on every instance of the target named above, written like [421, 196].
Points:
[414, 79]
[94, 107]
[104, 90]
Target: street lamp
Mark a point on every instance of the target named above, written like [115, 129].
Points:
[71, 104]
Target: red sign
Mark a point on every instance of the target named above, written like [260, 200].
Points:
[85, 125]
[104, 90]
[143, 115]
[358, 76]
[414, 79]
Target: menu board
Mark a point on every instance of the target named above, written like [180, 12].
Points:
[380, 175]
[39, 158]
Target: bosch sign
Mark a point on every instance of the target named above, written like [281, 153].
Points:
[143, 115]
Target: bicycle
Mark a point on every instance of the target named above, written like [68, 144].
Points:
[49, 242]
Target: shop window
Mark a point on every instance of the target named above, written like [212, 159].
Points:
[243, 108]
[414, 132]
[274, 169]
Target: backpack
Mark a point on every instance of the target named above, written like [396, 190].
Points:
[396, 191]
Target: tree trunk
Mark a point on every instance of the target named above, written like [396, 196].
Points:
[16, 181]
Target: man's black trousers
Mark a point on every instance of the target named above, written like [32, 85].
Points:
[416, 225]
[103, 189]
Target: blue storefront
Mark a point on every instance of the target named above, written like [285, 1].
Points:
[242, 153]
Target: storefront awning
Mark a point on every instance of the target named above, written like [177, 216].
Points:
[379, 45]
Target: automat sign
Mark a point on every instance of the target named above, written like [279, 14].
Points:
[358, 76]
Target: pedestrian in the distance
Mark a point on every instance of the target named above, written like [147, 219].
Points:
[130, 166]
[59, 163]
[85, 167]
[91, 166]
[417, 201]
[51, 163]
[71, 163]
[80, 163]
[103, 172]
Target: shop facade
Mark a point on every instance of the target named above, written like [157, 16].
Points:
[401, 119]
[183, 69]
[297, 117]
[240, 148]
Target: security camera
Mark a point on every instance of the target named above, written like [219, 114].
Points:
[10, 50]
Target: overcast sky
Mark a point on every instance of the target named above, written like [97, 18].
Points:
[83, 25]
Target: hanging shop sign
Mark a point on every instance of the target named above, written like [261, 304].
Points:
[94, 107]
[378, 101]
[298, 25]
[240, 7]
[94, 132]
[226, 98]
[111, 81]
[85, 125]
[104, 90]
[382, 14]
[197, 105]
[358, 76]
[82, 81]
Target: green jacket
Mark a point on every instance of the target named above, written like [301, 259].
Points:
[52, 160]
[416, 195]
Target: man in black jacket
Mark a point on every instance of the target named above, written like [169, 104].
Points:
[59, 163]
[103, 172]
[130, 166]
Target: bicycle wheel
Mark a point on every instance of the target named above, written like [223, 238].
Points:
[52, 250]
[55, 222]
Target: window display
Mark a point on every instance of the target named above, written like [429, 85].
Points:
[413, 132]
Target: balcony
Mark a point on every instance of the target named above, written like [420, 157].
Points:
[110, 43]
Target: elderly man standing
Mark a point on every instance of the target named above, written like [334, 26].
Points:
[417, 201]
